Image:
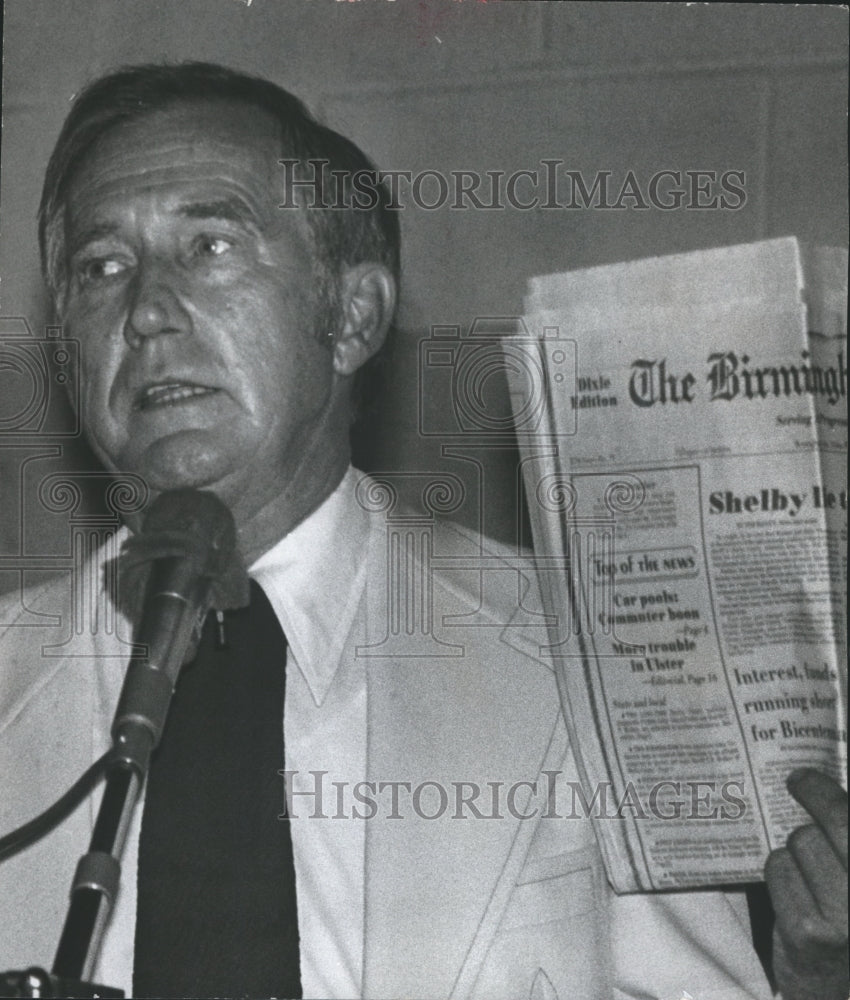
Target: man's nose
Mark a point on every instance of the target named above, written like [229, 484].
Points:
[155, 305]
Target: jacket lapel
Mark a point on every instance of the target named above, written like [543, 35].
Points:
[436, 722]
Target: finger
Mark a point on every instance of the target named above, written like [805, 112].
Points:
[826, 802]
[792, 900]
[822, 872]
[799, 922]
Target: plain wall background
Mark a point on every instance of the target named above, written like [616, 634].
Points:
[449, 85]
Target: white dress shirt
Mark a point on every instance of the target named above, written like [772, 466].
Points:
[313, 579]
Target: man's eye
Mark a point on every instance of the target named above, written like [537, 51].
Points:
[212, 246]
[99, 268]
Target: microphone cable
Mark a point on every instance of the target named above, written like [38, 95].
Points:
[42, 824]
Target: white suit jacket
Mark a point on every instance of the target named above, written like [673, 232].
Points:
[462, 908]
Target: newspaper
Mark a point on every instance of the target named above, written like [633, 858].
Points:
[686, 483]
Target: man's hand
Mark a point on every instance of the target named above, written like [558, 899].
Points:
[807, 880]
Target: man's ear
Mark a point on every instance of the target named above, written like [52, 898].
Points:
[368, 297]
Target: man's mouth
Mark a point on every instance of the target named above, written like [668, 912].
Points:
[170, 394]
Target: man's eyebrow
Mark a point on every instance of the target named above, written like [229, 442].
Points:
[96, 231]
[231, 209]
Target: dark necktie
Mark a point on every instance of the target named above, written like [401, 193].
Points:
[216, 912]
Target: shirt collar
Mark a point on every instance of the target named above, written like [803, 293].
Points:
[314, 577]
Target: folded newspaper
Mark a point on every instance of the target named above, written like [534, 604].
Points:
[683, 427]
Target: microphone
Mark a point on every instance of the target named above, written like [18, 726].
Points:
[183, 559]
[187, 550]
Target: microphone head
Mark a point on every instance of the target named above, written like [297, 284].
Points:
[198, 520]
[197, 530]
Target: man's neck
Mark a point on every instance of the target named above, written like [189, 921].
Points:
[276, 518]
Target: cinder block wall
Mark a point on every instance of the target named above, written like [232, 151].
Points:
[449, 85]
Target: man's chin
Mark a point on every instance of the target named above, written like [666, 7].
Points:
[181, 462]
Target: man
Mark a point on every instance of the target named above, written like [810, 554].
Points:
[221, 337]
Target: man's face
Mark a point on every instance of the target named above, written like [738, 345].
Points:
[193, 298]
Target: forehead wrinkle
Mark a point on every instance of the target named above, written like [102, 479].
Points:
[97, 184]
[232, 209]
[165, 148]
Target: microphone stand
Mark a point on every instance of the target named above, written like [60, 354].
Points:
[175, 593]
